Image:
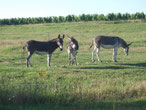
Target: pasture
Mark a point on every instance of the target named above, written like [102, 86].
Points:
[88, 86]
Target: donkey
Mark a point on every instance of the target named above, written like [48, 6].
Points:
[72, 49]
[108, 42]
[43, 48]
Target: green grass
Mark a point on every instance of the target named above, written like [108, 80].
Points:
[87, 86]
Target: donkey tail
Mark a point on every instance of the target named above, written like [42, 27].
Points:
[24, 47]
[91, 44]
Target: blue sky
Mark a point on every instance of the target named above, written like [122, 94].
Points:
[44, 8]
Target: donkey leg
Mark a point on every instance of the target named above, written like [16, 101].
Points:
[74, 58]
[93, 53]
[49, 59]
[28, 59]
[97, 54]
[69, 58]
[115, 54]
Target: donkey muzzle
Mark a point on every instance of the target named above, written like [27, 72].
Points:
[61, 47]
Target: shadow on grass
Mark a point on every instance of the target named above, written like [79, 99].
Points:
[106, 67]
[135, 105]
[119, 66]
[36, 100]
[136, 64]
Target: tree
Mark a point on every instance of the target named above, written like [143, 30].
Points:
[140, 15]
[133, 16]
[61, 19]
[82, 17]
[77, 18]
[101, 17]
[118, 16]
[88, 17]
[6, 22]
[95, 17]
[111, 16]
[69, 18]
[126, 16]
[24, 21]
[55, 19]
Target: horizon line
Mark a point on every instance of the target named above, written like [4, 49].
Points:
[72, 15]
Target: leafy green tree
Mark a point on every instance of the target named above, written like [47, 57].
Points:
[47, 20]
[133, 16]
[0, 22]
[77, 18]
[140, 15]
[62, 19]
[69, 18]
[95, 17]
[118, 16]
[101, 17]
[72, 18]
[82, 17]
[126, 16]
[56, 19]
[88, 17]
[6, 22]
[24, 21]
[111, 16]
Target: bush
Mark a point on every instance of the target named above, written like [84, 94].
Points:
[73, 18]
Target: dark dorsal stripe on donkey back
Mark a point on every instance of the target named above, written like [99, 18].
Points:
[123, 43]
[106, 40]
[109, 40]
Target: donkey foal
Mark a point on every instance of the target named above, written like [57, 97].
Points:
[72, 49]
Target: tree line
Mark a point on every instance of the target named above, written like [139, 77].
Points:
[73, 18]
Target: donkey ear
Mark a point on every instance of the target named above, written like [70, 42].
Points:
[69, 38]
[63, 36]
[59, 36]
[129, 44]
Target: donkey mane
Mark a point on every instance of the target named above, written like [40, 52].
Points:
[55, 39]
[123, 43]
[75, 41]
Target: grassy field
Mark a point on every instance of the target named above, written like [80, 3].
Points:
[87, 86]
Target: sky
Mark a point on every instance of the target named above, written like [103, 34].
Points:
[47, 8]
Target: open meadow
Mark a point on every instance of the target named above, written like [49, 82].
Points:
[88, 86]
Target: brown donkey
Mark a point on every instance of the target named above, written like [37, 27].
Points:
[108, 42]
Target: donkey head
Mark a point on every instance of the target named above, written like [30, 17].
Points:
[126, 49]
[73, 43]
[60, 42]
